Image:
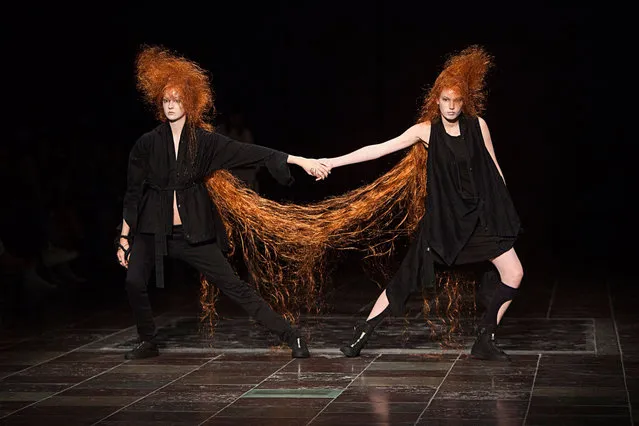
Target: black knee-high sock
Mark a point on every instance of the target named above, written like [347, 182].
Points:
[488, 282]
[503, 293]
[374, 322]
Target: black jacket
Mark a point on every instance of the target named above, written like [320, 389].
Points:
[154, 174]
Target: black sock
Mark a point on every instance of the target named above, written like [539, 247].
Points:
[374, 322]
[503, 293]
[488, 282]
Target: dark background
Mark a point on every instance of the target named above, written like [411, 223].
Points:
[322, 79]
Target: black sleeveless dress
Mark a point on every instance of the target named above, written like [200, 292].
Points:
[469, 217]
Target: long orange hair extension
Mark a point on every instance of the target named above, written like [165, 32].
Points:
[286, 246]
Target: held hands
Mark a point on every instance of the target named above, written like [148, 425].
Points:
[327, 162]
[315, 168]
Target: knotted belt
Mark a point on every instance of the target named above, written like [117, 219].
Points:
[165, 227]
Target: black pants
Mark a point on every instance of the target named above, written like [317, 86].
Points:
[209, 260]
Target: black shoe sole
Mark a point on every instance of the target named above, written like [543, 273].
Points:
[485, 357]
[349, 352]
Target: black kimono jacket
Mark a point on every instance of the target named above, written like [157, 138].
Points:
[154, 174]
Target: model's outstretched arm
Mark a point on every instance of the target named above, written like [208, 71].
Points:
[417, 133]
[222, 152]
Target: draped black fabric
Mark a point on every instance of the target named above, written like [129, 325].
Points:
[154, 174]
[451, 217]
[469, 217]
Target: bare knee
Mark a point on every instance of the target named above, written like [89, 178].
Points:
[513, 276]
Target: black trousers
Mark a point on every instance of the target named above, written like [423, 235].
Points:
[209, 260]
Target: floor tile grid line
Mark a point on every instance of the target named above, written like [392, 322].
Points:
[623, 366]
[63, 390]
[156, 390]
[64, 354]
[430, 400]
[352, 381]
[552, 297]
[532, 389]
[239, 397]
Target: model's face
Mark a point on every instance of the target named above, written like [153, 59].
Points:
[172, 104]
[450, 104]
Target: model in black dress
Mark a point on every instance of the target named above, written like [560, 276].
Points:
[469, 215]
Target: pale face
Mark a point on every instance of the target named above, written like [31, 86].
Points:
[172, 105]
[450, 104]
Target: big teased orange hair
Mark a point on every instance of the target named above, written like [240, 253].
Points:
[465, 72]
[159, 69]
[286, 246]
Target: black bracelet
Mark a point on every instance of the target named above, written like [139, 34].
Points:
[116, 243]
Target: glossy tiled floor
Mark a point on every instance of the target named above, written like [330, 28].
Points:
[572, 337]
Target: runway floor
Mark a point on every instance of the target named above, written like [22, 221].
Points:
[572, 337]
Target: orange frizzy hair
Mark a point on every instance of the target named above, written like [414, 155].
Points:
[464, 72]
[159, 69]
[286, 246]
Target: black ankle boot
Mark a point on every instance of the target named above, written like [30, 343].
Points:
[485, 348]
[298, 347]
[362, 333]
[144, 349]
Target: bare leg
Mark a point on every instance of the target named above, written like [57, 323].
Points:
[380, 305]
[362, 333]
